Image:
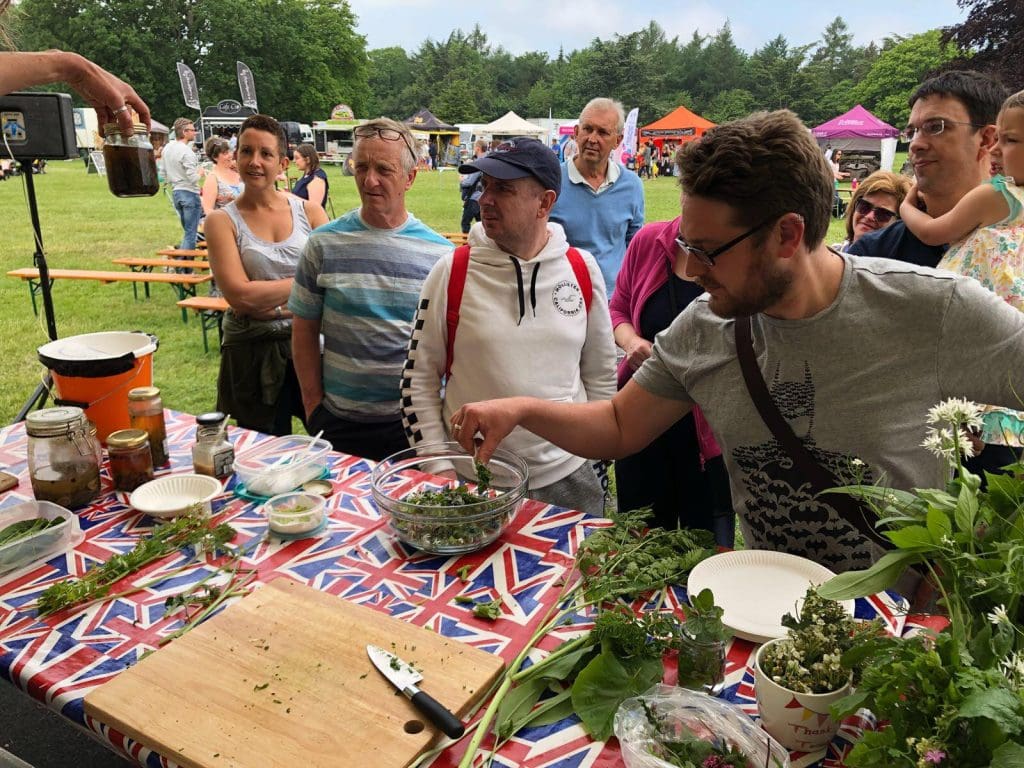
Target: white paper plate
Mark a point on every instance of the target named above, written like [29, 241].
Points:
[756, 588]
[172, 495]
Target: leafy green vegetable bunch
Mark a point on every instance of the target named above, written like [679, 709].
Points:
[955, 699]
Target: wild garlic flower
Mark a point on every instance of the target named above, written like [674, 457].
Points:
[946, 445]
[1013, 668]
[956, 410]
[998, 616]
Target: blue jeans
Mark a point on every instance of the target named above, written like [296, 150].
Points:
[190, 209]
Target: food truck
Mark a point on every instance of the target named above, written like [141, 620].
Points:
[334, 138]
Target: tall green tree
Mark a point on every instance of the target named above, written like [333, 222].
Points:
[390, 79]
[304, 54]
[887, 86]
[774, 73]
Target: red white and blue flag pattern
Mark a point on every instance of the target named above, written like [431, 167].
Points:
[60, 659]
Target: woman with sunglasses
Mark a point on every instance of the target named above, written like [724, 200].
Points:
[875, 205]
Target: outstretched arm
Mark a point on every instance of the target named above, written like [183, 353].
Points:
[103, 90]
[607, 429]
[982, 206]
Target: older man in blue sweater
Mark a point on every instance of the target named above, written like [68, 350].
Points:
[602, 204]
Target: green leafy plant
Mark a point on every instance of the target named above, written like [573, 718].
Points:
[955, 698]
[621, 656]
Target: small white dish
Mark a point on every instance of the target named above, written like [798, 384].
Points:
[295, 513]
[755, 588]
[173, 495]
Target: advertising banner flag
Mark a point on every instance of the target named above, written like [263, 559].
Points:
[246, 85]
[189, 89]
[628, 135]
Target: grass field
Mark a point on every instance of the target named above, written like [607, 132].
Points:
[84, 227]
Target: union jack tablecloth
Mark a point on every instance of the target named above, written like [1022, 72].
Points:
[60, 659]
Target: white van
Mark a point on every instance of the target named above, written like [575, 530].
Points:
[307, 133]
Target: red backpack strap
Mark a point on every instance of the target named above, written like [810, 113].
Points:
[579, 268]
[456, 284]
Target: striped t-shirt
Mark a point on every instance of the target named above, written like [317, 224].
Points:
[363, 284]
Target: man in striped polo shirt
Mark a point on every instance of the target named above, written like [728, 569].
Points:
[358, 283]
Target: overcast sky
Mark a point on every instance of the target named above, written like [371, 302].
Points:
[544, 25]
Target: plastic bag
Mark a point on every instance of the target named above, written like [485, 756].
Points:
[680, 713]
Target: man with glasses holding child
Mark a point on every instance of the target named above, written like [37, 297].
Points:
[358, 283]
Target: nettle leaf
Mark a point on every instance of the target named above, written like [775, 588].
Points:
[913, 537]
[604, 684]
[939, 525]
[880, 576]
[1008, 755]
[999, 705]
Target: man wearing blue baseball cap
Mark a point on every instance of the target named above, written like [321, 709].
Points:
[516, 311]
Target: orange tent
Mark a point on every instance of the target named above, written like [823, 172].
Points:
[678, 125]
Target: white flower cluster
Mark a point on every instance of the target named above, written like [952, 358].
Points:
[1013, 668]
[948, 436]
[956, 412]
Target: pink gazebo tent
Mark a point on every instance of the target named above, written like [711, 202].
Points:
[856, 130]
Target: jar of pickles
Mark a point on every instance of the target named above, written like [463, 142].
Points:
[64, 456]
[131, 463]
[146, 412]
[130, 162]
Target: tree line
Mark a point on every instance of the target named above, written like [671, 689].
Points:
[306, 56]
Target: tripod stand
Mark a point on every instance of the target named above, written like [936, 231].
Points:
[38, 397]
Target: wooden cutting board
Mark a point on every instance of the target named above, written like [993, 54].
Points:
[281, 678]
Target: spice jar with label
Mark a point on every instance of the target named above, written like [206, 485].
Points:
[64, 456]
[130, 162]
[131, 462]
[213, 454]
[146, 412]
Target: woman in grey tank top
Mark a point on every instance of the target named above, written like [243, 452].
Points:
[254, 244]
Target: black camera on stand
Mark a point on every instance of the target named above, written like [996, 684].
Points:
[37, 126]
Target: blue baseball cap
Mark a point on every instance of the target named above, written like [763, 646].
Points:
[518, 158]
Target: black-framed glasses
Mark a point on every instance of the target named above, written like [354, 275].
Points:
[707, 258]
[933, 126]
[388, 134]
[882, 215]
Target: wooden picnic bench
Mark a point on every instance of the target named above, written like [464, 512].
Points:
[168, 265]
[457, 238]
[183, 284]
[211, 311]
[183, 253]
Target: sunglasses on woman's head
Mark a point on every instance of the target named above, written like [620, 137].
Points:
[882, 215]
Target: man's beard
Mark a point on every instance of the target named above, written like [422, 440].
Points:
[765, 287]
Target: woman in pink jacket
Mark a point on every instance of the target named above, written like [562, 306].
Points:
[681, 475]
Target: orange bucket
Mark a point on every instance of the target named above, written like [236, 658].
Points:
[95, 371]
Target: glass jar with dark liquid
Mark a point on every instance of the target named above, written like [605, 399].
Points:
[63, 456]
[130, 162]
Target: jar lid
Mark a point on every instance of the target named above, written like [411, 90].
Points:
[211, 419]
[51, 422]
[109, 129]
[143, 393]
[127, 438]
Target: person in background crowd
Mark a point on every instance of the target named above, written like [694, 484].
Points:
[181, 168]
[681, 474]
[432, 153]
[313, 184]
[524, 326]
[952, 134]
[601, 207]
[875, 205]
[470, 189]
[570, 149]
[223, 183]
[255, 242]
[838, 205]
[358, 283]
[909, 337]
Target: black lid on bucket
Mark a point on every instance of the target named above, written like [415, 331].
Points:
[95, 355]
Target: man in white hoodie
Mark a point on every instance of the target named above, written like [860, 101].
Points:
[524, 314]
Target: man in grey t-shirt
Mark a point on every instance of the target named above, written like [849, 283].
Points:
[853, 351]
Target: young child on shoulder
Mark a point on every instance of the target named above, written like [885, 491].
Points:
[998, 203]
